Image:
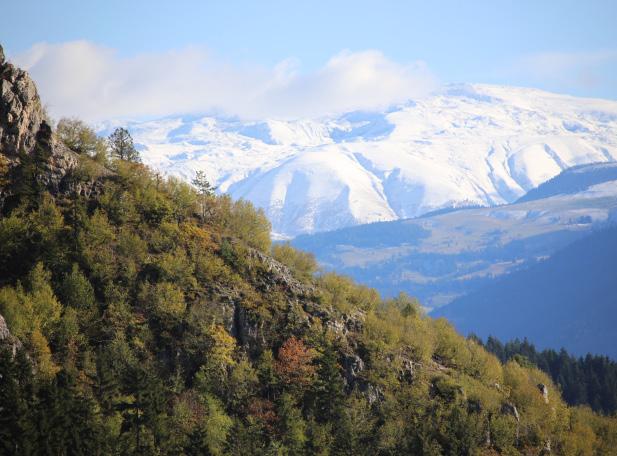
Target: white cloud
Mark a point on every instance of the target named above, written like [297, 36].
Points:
[93, 82]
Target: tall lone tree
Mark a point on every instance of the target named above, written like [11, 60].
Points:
[121, 145]
[206, 191]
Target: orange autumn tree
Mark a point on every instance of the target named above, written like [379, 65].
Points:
[294, 363]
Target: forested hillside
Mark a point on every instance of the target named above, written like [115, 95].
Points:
[590, 380]
[144, 316]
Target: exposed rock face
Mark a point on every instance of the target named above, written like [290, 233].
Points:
[21, 112]
[7, 340]
[281, 275]
[23, 127]
[544, 390]
[510, 409]
[4, 329]
[353, 366]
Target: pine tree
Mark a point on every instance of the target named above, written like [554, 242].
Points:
[29, 181]
[329, 387]
[291, 425]
[121, 145]
[75, 178]
[205, 190]
[17, 430]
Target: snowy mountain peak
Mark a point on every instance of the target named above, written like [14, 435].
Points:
[466, 144]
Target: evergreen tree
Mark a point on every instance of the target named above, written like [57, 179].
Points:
[17, 393]
[291, 426]
[328, 394]
[205, 190]
[29, 180]
[121, 145]
[591, 380]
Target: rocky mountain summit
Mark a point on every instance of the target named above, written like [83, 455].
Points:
[23, 128]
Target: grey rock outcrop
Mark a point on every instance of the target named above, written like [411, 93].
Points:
[21, 112]
[544, 391]
[510, 409]
[353, 366]
[280, 274]
[23, 127]
[7, 340]
[4, 329]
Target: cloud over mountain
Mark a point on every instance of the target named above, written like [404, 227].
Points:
[83, 79]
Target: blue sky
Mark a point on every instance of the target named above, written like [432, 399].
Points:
[562, 46]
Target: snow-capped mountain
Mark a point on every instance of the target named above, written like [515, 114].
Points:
[466, 145]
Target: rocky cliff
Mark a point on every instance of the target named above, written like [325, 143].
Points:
[7, 340]
[23, 126]
[21, 112]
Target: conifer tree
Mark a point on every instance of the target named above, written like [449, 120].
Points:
[205, 190]
[29, 181]
[121, 145]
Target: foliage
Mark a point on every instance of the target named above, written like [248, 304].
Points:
[589, 380]
[294, 363]
[80, 138]
[206, 193]
[147, 328]
[121, 145]
[303, 264]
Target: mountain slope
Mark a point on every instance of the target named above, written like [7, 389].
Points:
[131, 323]
[442, 256]
[568, 300]
[573, 180]
[468, 144]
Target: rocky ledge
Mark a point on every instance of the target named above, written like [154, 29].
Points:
[23, 127]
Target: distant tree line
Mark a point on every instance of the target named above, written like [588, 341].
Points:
[589, 380]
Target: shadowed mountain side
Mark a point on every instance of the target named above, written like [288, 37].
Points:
[448, 254]
[569, 300]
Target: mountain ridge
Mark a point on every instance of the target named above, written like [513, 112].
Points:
[466, 145]
[573, 292]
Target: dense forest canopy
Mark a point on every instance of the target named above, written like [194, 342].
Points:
[155, 320]
[589, 380]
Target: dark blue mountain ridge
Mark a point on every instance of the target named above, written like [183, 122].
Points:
[568, 300]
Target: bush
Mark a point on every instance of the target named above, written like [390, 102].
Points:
[303, 264]
[82, 139]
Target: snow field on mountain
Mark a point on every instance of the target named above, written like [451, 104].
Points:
[467, 144]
